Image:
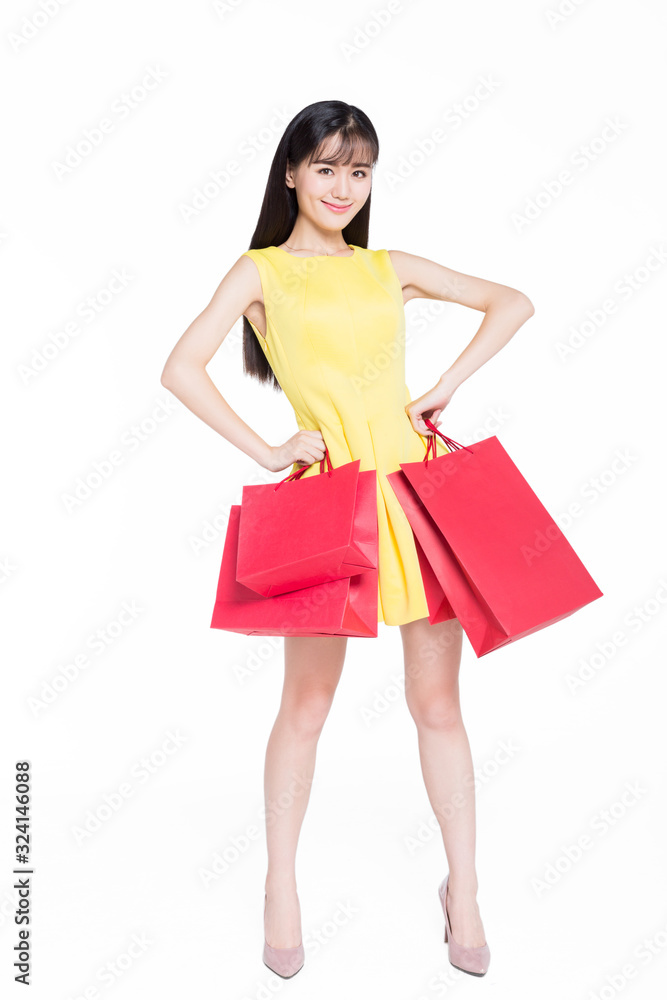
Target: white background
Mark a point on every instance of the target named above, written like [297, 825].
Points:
[585, 428]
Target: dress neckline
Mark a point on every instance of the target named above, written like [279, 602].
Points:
[319, 256]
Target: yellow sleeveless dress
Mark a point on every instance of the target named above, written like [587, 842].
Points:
[335, 339]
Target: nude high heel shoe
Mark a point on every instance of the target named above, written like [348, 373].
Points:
[285, 962]
[474, 961]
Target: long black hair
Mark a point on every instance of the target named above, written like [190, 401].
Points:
[304, 140]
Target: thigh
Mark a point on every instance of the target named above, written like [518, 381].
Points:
[432, 656]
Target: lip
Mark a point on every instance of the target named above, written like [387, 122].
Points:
[336, 208]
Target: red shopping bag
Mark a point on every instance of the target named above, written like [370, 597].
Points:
[301, 532]
[502, 561]
[348, 606]
[426, 539]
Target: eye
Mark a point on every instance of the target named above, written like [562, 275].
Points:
[362, 172]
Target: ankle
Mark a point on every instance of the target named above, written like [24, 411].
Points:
[464, 888]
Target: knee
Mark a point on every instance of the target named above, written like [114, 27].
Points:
[306, 712]
[442, 713]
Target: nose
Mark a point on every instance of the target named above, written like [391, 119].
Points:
[341, 192]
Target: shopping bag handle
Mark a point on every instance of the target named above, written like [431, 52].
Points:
[451, 444]
[293, 476]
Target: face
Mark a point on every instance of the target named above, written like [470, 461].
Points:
[330, 194]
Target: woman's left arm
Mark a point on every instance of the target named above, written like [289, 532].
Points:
[505, 310]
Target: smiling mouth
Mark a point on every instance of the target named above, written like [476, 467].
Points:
[336, 208]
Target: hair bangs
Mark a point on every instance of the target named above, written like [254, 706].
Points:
[349, 146]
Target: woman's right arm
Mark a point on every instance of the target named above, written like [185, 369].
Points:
[185, 374]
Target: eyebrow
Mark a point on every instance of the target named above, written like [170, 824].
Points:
[334, 162]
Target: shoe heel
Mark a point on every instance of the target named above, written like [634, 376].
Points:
[441, 904]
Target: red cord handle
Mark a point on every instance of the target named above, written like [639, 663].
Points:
[293, 476]
[451, 444]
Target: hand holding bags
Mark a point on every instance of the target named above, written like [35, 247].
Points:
[343, 605]
[495, 552]
[301, 532]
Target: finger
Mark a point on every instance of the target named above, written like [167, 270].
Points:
[316, 455]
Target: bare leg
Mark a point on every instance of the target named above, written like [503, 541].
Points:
[432, 659]
[313, 666]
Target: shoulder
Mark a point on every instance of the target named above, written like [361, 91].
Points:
[403, 261]
[247, 272]
[256, 255]
[419, 273]
[395, 261]
[421, 277]
[257, 260]
[406, 266]
[264, 259]
[248, 263]
[381, 255]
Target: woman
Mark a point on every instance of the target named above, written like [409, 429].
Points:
[323, 320]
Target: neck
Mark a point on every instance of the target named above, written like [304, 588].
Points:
[308, 237]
